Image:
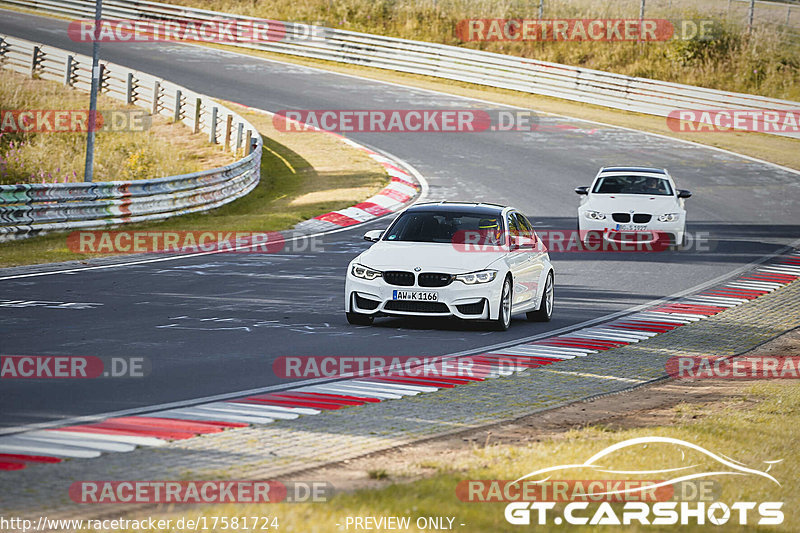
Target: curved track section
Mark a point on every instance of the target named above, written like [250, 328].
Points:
[212, 325]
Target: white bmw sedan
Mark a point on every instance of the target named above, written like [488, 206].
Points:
[450, 259]
[625, 201]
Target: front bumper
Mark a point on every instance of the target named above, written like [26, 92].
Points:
[654, 231]
[469, 302]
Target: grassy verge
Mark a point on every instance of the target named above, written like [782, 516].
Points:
[758, 426]
[303, 174]
[163, 149]
[764, 62]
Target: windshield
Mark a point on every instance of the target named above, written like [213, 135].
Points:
[633, 185]
[445, 227]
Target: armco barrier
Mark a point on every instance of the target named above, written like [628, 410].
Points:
[29, 209]
[443, 61]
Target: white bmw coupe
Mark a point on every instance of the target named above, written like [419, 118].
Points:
[625, 201]
[472, 261]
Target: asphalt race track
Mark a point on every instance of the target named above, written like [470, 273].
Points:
[214, 324]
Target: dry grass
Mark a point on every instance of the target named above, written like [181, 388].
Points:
[162, 150]
[766, 62]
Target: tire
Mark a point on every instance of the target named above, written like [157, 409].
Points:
[545, 311]
[503, 320]
[357, 319]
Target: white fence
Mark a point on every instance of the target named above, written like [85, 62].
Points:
[28, 209]
[443, 61]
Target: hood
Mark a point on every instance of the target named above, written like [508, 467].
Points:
[431, 257]
[640, 203]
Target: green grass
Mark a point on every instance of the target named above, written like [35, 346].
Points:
[766, 62]
[303, 174]
[747, 431]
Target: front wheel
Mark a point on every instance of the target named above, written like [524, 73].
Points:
[545, 311]
[503, 319]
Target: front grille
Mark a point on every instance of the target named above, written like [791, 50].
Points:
[399, 277]
[364, 303]
[430, 279]
[621, 217]
[416, 307]
[471, 309]
[642, 218]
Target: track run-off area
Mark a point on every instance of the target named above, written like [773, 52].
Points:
[212, 325]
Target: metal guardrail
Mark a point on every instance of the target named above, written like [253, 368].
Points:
[29, 209]
[606, 89]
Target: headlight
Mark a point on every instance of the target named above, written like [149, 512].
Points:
[360, 271]
[669, 217]
[595, 215]
[483, 276]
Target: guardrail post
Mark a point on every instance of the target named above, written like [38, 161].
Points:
[129, 87]
[228, 126]
[239, 132]
[156, 96]
[178, 104]
[3, 50]
[788, 15]
[37, 50]
[212, 133]
[248, 146]
[197, 107]
[750, 16]
[70, 66]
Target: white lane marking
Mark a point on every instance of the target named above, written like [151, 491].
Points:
[633, 336]
[753, 285]
[597, 335]
[90, 444]
[533, 353]
[201, 415]
[351, 390]
[130, 439]
[400, 387]
[241, 409]
[595, 376]
[29, 447]
[281, 408]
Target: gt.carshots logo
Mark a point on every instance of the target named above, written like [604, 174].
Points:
[643, 501]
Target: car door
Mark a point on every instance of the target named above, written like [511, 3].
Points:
[521, 259]
[535, 252]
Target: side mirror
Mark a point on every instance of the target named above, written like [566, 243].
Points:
[683, 193]
[581, 190]
[373, 235]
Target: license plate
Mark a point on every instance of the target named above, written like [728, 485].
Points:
[417, 296]
[631, 227]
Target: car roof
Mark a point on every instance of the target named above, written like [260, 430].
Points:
[643, 170]
[478, 208]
